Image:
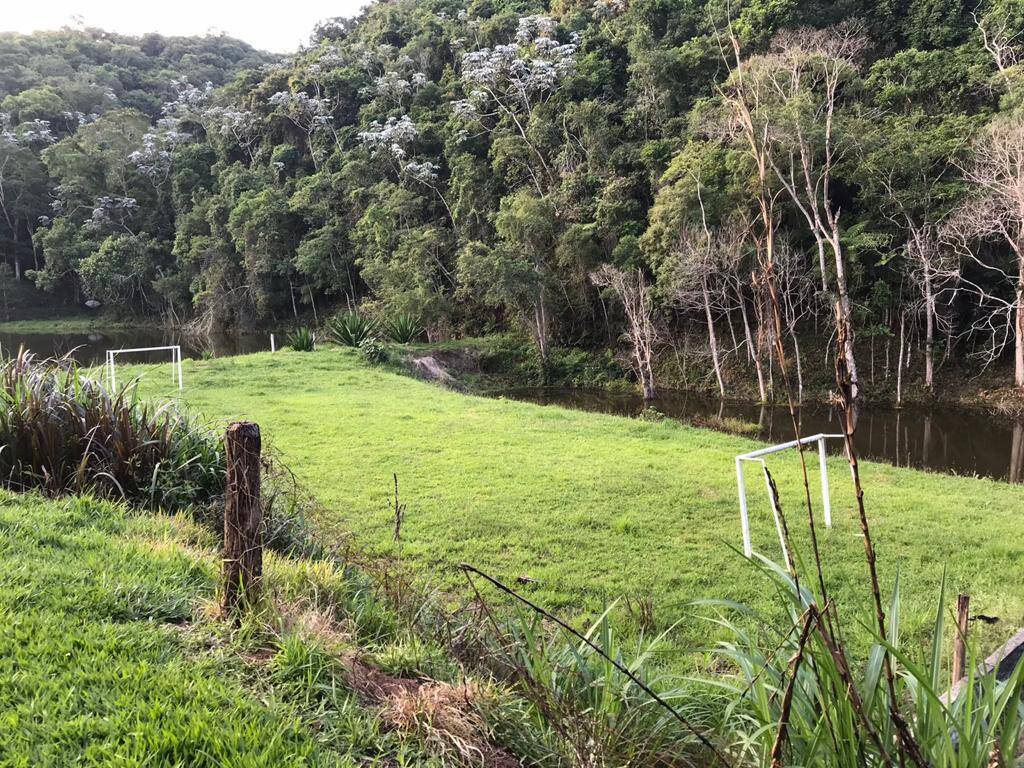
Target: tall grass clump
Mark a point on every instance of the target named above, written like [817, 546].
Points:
[806, 701]
[61, 432]
[350, 329]
[599, 699]
[602, 716]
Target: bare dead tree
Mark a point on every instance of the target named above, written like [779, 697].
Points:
[994, 214]
[701, 279]
[783, 107]
[804, 77]
[1000, 40]
[933, 270]
[797, 299]
[633, 292]
[911, 201]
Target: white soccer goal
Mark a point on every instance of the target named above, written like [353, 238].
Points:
[758, 458]
[175, 350]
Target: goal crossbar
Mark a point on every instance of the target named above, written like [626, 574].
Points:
[758, 458]
[176, 367]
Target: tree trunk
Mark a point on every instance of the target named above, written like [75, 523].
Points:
[821, 264]
[799, 367]
[843, 306]
[746, 326]
[243, 518]
[540, 330]
[1017, 453]
[712, 339]
[1018, 351]
[899, 366]
[929, 330]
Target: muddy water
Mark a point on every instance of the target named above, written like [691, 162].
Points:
[959, 442]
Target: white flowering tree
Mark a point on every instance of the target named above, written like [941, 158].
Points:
[394, 142]
[511, 82]
[22, 180]
[310, 114]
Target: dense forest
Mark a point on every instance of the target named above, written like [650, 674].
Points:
[600, 173]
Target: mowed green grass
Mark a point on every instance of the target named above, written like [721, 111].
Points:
[595, 508]
[94, 665]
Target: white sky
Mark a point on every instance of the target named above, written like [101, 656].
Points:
[275, 27]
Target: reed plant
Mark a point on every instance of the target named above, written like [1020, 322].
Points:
[63, 432]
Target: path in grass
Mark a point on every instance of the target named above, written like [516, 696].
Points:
[595, 507]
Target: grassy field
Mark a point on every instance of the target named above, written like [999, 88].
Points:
[112, 654]
[95, 659]
[594, 508]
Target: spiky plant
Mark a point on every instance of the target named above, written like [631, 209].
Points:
[62, 432]
[350, 329]
[302, 340]
[403, 329]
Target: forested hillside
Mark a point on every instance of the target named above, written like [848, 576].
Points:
[577, 169]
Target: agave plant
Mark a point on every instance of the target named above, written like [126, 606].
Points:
[302, 340]
[350, 329]
[403, 329]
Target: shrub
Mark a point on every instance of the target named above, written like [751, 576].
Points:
[373, 351]
[63, 433]
[403, 329]
[302, 340]
[650, 413]
[350, 329]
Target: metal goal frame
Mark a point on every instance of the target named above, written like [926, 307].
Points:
[758, 458]
[176, 368]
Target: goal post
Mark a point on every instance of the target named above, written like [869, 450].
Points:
[176, 367]
[757, 457]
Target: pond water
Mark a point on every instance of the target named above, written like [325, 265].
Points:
[962, 442]
[91, 348]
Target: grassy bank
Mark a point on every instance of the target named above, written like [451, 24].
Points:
[99, 653]
[74, 323]
[111, 653]
[593, 508]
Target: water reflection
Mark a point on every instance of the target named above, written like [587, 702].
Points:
[91, 348]
[956, 441]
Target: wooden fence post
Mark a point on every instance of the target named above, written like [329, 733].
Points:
[963, 606]
[243, 517]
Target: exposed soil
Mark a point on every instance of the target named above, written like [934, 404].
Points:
[445, 366]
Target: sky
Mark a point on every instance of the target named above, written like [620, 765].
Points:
[277, 27]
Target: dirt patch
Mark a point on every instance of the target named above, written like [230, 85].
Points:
[431, 369]
[444, 366]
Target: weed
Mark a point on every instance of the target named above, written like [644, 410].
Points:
[373, 351]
